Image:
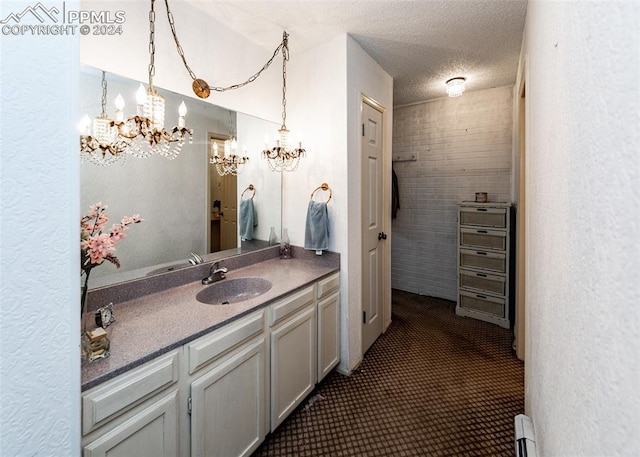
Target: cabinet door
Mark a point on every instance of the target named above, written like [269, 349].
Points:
[328, 335]
[293, 363]
[151, 432]
[228, 416]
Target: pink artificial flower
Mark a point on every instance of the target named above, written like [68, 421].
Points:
[131, 219]
[117, 232]
[101, 221]
[94, 209]
[98, 246]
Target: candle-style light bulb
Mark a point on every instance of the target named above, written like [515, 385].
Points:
[215, 149]
[182, 111]
[119, 102]
[141, 99]
[141, 95]
[84, 124]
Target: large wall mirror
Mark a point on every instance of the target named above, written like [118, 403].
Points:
[186, 205]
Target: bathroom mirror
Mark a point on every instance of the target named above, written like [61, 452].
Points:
[178, 199]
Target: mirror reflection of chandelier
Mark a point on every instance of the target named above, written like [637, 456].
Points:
[283, 156]
[229, 162]
[99, 141]
[144, 133]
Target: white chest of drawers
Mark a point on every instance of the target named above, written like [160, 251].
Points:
[484, 257]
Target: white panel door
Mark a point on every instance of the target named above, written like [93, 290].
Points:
[229, 213]
[372, 233]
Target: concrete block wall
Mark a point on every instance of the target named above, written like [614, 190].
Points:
[463, 146]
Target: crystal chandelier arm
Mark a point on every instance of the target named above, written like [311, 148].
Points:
[201, 88]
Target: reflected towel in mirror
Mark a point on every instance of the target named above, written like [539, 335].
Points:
[316, 234]
[248, 219]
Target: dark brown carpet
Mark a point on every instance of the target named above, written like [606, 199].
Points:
[433, 385]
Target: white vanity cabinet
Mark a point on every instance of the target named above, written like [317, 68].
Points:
[328, 293]
[135, 413]
[220, 394]
[228, 389]
[293, 352]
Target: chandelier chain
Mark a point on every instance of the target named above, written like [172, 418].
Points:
[285, 57]
[178, 45]
[192, 74]
[104, 95]
[152, 44]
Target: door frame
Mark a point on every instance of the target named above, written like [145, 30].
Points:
[521, 214]
[386, 213]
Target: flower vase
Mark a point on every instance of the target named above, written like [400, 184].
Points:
[285, 246]
[94, 344]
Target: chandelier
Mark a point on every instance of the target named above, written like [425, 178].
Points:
[230, 163]
[284, 157]
[144, 133]
[101, 145]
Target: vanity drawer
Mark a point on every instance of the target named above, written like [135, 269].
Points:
[219, 342]
[483, 217]
[483, 282]
[485, 239]
[115, 397]
[328, 285]
[487, 304]
[289, 305]
[485, 260]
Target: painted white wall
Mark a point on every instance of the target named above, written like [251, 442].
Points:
[324, 88]
[39, 241]
[463, 145]
[583, 202]
[317, 112]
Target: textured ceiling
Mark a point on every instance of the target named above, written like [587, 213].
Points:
[420, 43]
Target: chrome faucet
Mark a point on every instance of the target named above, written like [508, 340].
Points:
[216, 274]
[194, 259]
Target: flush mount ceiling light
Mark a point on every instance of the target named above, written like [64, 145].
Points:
[455, 86]
[144, 133]
[283, 157]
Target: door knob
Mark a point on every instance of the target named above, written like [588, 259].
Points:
[382, 236]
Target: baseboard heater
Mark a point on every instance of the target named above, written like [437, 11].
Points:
[525, 439]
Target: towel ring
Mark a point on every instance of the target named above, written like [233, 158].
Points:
[251, 188]
[324, 186]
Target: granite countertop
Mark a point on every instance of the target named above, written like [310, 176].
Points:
[154, 324]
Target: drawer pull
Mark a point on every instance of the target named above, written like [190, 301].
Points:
[481, 209]
[481, 231]
[481, 253]
[481, 296]
[482, 275]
